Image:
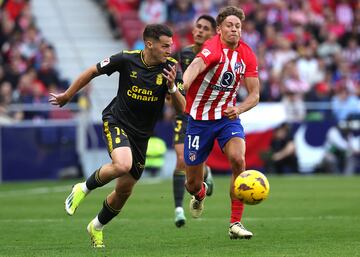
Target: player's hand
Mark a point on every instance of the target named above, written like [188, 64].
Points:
[170, 75]
[232, 113]
[58, 99]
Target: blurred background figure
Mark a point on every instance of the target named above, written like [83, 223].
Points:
[344, 102]
[153, 11]
[281, 157]
[155, 156]
[342, 145]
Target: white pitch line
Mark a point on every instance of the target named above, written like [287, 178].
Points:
[35, 191]
[59, 189]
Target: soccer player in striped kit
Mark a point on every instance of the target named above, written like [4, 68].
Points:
[211, 82]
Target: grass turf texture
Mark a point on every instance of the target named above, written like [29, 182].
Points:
[304, 216]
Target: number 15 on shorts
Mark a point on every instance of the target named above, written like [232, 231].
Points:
[194, 142]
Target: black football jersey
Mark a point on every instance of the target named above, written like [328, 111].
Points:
[141, 91]
[186, 56]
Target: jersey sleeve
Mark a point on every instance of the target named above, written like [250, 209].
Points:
[209, 53]
[111, 64]
[179, 82]
[251, 65]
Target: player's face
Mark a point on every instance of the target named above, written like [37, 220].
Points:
[202, 31]
[230, 31]
[161, 49]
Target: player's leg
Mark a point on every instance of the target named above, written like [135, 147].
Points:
[235, 151]
[231, 140]
[119, 150]
[178, 185]
[111, 207]
[124, 185]
[198, 143]
[209, 181]
[179, 171]
[197, 188]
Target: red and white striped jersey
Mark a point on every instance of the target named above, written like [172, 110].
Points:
[214, 90]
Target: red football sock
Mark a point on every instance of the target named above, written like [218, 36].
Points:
[202, 193]
[237, 208]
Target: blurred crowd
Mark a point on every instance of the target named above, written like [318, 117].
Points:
[308, 51]
[27, 64]
[309, 60]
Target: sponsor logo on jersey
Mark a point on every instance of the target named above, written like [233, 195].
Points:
[206, 52]
[140, 165]
[227, 79]
[133, 74]
[142, 94]
[104, 62]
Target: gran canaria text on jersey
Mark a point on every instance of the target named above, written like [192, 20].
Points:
[142, 94]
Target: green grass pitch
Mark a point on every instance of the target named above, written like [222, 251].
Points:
[304, 216]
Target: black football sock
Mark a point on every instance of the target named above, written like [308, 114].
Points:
[178, 187]
[107, 213]
[94, 180]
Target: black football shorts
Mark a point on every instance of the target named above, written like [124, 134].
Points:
[116, 135]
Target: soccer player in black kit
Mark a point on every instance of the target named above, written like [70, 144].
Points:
[205, 28]
[146, 77]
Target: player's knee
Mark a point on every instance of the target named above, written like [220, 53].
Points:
[237, 160]
[121, 168]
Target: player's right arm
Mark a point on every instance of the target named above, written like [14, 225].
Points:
[84, 78]
[106, 66]
[195, 68]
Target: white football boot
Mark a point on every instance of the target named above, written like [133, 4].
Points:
[238, 231]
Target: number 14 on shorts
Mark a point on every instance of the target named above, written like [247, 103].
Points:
[194, 142]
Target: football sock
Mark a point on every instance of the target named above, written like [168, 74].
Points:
[94, 180]
[202, 193]
[97, 224]
[206, 172]
[237, 208]
[178, 187]
[107, 213]
[84, 188]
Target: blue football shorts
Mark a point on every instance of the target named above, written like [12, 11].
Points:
[201, 134]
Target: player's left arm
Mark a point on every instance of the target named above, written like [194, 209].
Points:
[177, 99]
[252, 85]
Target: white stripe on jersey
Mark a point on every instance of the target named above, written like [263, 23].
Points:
[217, 110]
[214, 93]
[201, 91]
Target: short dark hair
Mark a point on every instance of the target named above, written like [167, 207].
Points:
[155, 31]
[228, 11]
[209, 19]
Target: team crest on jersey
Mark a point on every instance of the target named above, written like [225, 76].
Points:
[240, 67]
[192, 156]
[104, 62]
[133, 74]
[227, 79]
[159, 79]
[206, 52]
[180, 85]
